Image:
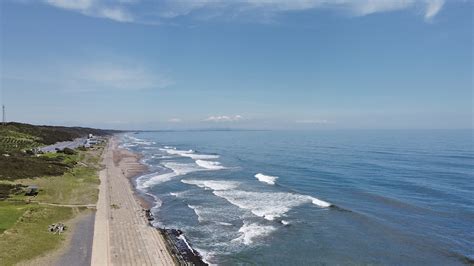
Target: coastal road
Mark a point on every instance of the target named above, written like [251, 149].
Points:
[64, 144]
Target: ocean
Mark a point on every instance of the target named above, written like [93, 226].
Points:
[332, 197]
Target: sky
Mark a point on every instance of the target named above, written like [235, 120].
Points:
[253, 64]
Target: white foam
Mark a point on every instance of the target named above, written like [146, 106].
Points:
[178, 169]
[283, 222]
[207, 256]
[188, 153]
[212, 184]
[266, 178]
[251, 231]
[186, 242]
[210, 165]
[213, 213]
[196, 156]
[320, 203]
[197, 211]
[174, 151]
[157, 179]
[179, 194]
[267, 205]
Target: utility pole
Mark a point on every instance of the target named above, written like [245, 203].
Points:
[4, 120]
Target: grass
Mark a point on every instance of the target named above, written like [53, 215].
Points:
[23, 227]
[9, 214]
[29, 236]
[78, 186]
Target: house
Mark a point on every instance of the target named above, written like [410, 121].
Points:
[31, 190]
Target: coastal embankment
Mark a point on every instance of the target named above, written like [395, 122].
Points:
[122, 235]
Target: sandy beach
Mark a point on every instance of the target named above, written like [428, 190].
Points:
[122, 235]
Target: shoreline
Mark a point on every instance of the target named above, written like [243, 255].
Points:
[122, 235]
[124, 229]
[177, 243]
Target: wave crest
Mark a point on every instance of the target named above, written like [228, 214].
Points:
[271, 180]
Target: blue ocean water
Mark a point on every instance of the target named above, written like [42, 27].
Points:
[262, 197]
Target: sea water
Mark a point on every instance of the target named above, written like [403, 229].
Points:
[314, 197]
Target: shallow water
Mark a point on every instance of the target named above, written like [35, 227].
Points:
[315, 197]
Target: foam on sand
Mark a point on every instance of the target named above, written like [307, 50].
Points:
[271, 180]
[268, 205]
[212, 184]
[210, 165]
[251, 231]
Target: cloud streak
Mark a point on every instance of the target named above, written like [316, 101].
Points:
[97, 8]
[223, 118]
[92, 76]
[142, 11]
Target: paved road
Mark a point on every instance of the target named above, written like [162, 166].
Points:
[64, 144]
[80, 250]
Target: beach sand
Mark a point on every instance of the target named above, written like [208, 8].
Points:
[122, 235]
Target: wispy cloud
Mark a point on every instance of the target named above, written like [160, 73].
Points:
[223, 118]
[127, 77]
[143, 11]
[97, 8]
[92, 76]
[175, 120]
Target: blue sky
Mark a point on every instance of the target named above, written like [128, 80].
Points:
[238, 64]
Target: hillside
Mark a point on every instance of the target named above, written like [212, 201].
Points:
[17, 136]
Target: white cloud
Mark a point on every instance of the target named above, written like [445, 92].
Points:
[116, 14]
[175, 120]
[143, 11]
[223, 118]
[433, 7]
[71, 4]
[97, 8]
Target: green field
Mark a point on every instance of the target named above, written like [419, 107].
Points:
[27, 236]
[24, 220]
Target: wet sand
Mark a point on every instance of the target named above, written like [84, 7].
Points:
[122, 235]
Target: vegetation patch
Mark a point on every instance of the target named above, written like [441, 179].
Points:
[7, 189]
[9, 214]
[78, 186]
[17, 136]
[17, 166]
[29, 236]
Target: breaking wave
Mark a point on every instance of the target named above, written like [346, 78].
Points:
[268, 205]
[250, 231]
[188, 153]
[212, 184]
[178, 169]
[210, 165]
[271, 180]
